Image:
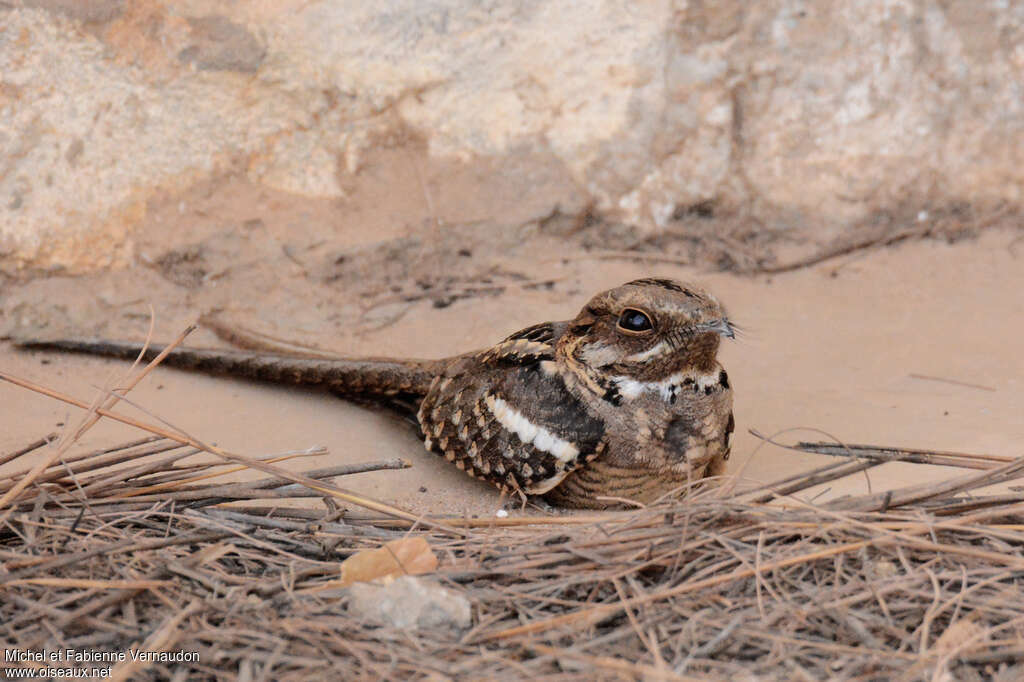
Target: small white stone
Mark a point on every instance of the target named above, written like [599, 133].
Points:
[410, 602]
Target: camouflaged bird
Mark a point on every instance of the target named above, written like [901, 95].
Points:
[625, 402]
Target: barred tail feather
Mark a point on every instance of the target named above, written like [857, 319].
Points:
[355, 377]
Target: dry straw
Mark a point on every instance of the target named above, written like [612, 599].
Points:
[136, 547]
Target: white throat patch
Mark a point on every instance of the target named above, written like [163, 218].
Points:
[667, 388]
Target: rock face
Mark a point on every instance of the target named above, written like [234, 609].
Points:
[810, 116]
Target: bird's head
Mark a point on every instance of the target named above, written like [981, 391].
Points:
[648, 329]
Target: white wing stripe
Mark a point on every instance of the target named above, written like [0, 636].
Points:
[528, 432]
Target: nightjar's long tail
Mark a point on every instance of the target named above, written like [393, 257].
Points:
[360, 378]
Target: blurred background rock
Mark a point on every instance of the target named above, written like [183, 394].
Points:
[761, 124]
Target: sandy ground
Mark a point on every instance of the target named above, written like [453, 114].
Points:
[840, 348]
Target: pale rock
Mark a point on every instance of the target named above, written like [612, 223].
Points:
[410, 602]
[812, 116]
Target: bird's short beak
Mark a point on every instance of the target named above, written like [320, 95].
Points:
[720, 326]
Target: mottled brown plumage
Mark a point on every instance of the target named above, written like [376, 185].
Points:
[625, 402]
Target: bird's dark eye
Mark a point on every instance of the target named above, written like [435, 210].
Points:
[633, 320]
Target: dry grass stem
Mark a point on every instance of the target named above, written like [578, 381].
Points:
[142, 546]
